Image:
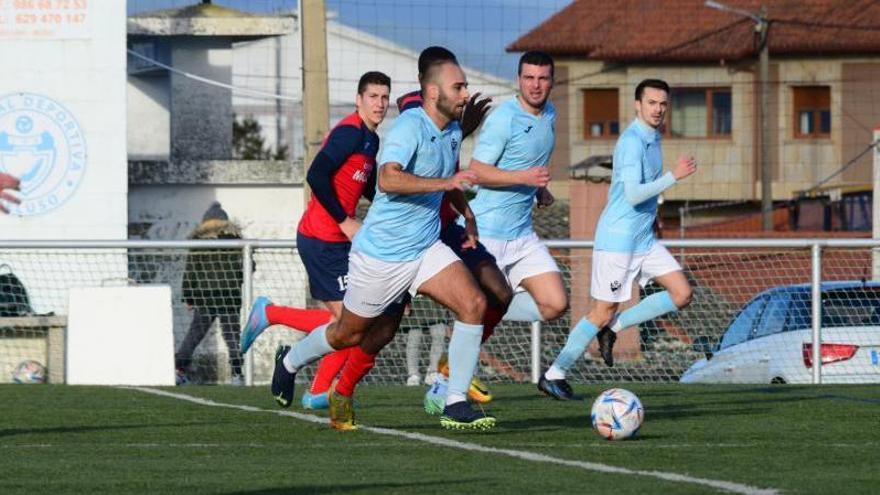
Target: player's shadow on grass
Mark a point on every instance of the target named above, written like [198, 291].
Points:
[680, 411]
[759, 404]
[54, 430]
[542, 423]
[414, 487]
[545, 423]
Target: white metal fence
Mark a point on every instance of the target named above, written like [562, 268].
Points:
[817, 305]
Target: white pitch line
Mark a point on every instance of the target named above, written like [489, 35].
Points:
[727, 486]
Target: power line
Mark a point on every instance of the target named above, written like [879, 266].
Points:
[846, 166]
[212, 82]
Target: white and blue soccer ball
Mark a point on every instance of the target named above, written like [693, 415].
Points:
[617, 414]
[29, 371]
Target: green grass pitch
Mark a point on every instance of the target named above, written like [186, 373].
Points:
[64, 439]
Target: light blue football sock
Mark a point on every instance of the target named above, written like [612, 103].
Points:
[523, 308]
[649, 308]
[308, 350]
[578, 340]
[464, 352]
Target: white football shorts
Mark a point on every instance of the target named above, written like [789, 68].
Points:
[613, 272]
[375, 284]
[521, 258]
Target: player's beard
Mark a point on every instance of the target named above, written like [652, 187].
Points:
[537, 104]
[449, 108]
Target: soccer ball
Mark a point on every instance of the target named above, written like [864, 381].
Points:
[29, 371]
[617, 414]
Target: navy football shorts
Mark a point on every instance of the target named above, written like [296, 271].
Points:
[326, 265]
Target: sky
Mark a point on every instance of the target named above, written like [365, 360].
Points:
[476, 30]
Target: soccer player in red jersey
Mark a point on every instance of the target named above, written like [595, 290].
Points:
[340, 175]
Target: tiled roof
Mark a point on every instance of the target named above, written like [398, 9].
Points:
[688, 31]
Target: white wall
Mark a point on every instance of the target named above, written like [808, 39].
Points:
[149, 120]
[67, 85]
[63, 115]
[264, 212]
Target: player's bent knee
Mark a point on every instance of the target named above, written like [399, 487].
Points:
[550, 310]
[472, 308]
[683, 298]
[339, 340]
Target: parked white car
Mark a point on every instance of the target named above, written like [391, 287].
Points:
[770, 340]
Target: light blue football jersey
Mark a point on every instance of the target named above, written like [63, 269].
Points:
[512, 139]
[623, 227]
[401, 227]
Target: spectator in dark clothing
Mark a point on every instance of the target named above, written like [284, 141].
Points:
[212, 290]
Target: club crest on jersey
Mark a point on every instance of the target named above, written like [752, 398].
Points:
[360, 176]
[615, 286]
[454, 144]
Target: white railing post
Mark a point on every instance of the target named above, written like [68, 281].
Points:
[247, 296]
[816, 283]
[536, 351]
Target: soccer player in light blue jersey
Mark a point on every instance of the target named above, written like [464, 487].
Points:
[398, 250]
[625, 246]
[510, 160]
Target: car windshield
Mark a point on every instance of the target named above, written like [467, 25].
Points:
[850, 307]
[743, 324]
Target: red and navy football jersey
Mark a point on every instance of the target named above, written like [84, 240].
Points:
[414, 100]
[348, 157]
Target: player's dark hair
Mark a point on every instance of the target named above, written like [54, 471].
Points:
[651, 83]
[432, 56]
[373, 77]
[430, 61]
[536, 58]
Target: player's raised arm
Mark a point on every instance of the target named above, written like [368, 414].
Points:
[637, 193]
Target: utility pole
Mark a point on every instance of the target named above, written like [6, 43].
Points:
[279, 87]
[315, 94]
[762, 28]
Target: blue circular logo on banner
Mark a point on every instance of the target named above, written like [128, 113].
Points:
[43, 145]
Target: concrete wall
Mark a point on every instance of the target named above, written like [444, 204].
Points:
[167, 199]
[169, 212]
[201, 114]
[149, 118]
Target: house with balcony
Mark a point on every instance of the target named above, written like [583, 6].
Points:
[824, 92]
